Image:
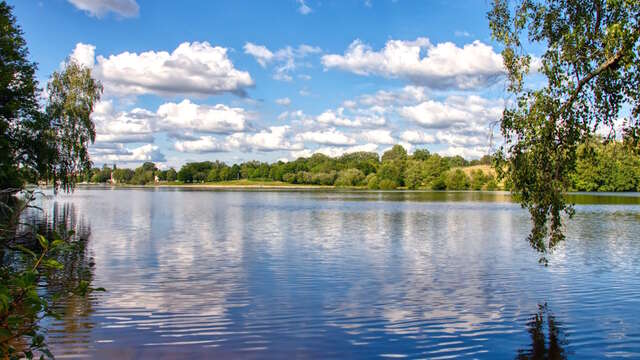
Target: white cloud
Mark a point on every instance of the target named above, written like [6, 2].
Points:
[454, 111]
[464, 139]
[443, 66]
[368, 118]
[189, 116]
[417, 137]
[304, 9]
[195, 68]
[275, 138]
[467, 153]
[259, 52]
[122, 127]
[286, 59]
[379, 136]
[99, 8]
[120, 154]
[84, 54]
[285, 101]
[407, 95]
[334, 151]
[328, 137]
[202, 145]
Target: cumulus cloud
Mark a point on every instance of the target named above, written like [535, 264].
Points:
[417, 137]
[195, 68]
[99, 8]
[120, 154]
[275, 138]
[204, 144]
[363, 118]
[334, 151]
[260, 52]
[443, 66]
[378, 136]
[189, 116]
[327, 137]
[84, 54]
[455, 110]
[467, 153]
[286, 60]
[407, 95]
[122, 127]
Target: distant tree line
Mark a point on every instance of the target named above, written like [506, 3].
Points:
[601, 166]
[396, 168]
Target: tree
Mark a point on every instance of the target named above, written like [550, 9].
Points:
[172, 175]
[72, 96]
[397, 152]
[414, 174]
[34, 146]
[457, 180]
[21, 123]
[592, 70]
[350, 177]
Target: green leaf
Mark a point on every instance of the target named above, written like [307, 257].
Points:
[57, 243]
[53, 264]
[44, 243]
[25, 250]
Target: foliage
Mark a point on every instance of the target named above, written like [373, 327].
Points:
[387, 184]
[350, 177]
[457, 180]
[35, 145]
[72, 95]
[591, 66]
[35, 259]
[372, 182]
[21, 123]
[606, 166]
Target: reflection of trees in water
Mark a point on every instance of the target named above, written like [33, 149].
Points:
[539, 348]
[74, 322]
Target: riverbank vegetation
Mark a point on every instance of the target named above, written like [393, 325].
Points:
[39, 267]
[602, 166]
[589, 60]
[395, 169]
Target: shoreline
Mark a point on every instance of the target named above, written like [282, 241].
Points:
[322, 187]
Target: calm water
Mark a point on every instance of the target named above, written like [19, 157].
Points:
[194, 274]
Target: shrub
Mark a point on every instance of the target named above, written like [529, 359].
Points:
[457, 180]
[350, 177]
[372, 182]
[386, 184]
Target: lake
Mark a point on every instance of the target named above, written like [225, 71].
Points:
[331, 274]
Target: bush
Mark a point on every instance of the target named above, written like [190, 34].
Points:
[491, 185]
[457, 180]
[386, 184]
[439, 183]
[372, 182]
[350, 177]
[289, 177]
[478, 179]
[324, 178]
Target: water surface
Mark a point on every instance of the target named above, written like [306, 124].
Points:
[312, 274]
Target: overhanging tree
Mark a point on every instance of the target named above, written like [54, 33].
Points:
[592, 73]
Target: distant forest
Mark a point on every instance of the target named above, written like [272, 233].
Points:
[601, 166]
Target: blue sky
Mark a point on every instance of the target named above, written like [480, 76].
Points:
[268, 80]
